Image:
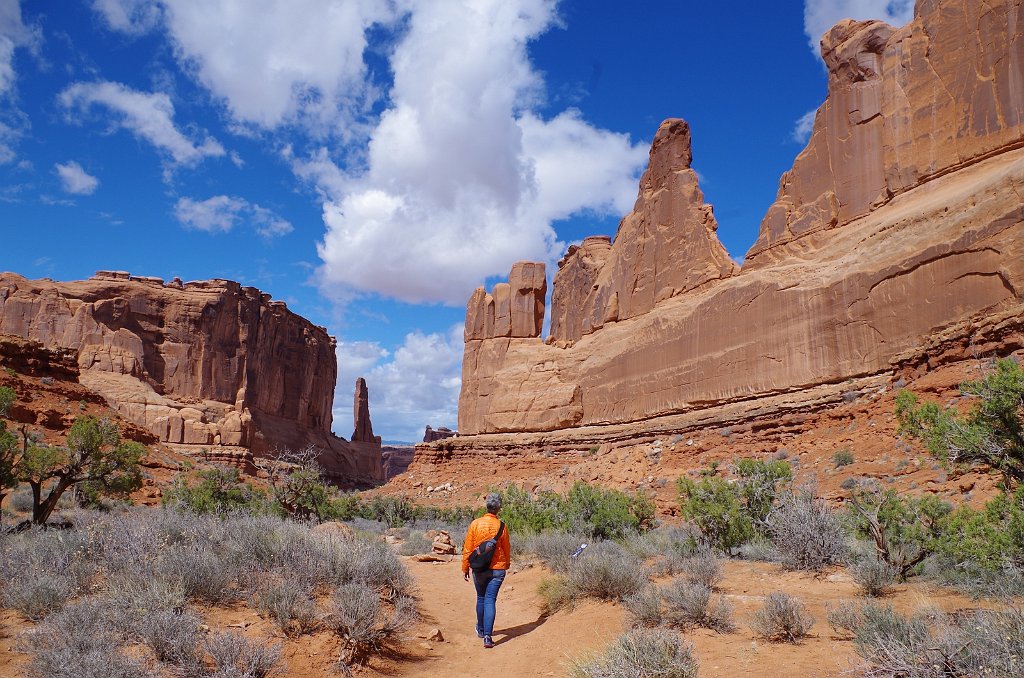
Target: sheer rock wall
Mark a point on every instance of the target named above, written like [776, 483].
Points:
[205, 363]
[902, 221]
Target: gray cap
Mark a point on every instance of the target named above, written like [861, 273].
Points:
[493, 502]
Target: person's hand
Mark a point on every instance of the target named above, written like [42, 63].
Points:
[465, 575]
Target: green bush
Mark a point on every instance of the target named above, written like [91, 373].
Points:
[984, 544]
[990, 434]
[219, 490]
[904, 530]
[843, 457]
[759, 482]
[596, 512]
[715, 507]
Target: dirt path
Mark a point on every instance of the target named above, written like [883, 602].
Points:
[526, 644]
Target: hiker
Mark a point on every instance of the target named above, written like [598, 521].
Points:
[485, 537]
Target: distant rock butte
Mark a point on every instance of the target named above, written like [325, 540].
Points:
[895, 242]
[204, 363]
[430, 435]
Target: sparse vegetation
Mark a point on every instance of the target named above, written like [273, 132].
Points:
[903, 530]
[585, 509]
[990, 434]
[843, 457]
[689, 604]
[782, 617]
[806, 533]
[642, 652]
[136, 572]
[983, 642]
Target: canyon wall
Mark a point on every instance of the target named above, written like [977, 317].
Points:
[208, 363]
[896, 239]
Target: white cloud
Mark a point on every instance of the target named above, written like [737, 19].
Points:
[458, 177]
[271, 61]
[417, 385]
[75, 179]
[147, 116]
[222, 213]
[462, 178]
[804, 126]
[128, 16]
[13, 34]
[822, 15]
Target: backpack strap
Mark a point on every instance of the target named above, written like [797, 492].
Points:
[501, 528]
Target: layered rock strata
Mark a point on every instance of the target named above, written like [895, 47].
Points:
[204, 363]
[902, 221]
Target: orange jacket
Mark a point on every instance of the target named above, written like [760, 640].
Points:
[480, 530]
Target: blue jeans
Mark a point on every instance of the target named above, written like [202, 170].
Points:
[487, 585]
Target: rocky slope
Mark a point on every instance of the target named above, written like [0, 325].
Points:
[896, 244]
[208, 364]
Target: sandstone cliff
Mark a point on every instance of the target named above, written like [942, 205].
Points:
[902, 222]
[209, 363]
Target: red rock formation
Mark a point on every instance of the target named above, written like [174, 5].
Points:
[430, 435]
[904, 106]
[200, 363]
[363, 432]
[902, 221]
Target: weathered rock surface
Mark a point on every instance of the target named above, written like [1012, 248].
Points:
[430, 435]
[363, 431]
[904, 106]
[204, 363]
[902, 221]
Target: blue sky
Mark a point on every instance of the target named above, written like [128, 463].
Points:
[371, 161]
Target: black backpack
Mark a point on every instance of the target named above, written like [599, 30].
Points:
[481, 557]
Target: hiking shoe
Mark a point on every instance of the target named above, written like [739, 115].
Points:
[488, 642]
[479, 632]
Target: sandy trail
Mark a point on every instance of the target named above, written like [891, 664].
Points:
[526, 643]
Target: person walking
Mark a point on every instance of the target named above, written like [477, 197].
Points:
[487, 579]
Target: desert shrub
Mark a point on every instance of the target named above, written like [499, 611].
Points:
[982, 642]
[391, 510]
[235, 656]
[555, 593]
[643, 608]
[704, 568]
[21, 501]
[606, 571]
[991, 434]
[606, 513]
[416, 543]
[41, 570]
[806, 534]
[361, 524]
[555, 548]
[287, 600]
[759, 481]
[641, 653]
[172, 635]
[78, 642]
[989, 540]
[902, 529]
[358, 617]
[843, 457]
[198, 570]
[689, 604]
[715, 508]
[669, 548]
[36, 596]
[874, 577]
[599, 513]
[782, 617]
[219, 490]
